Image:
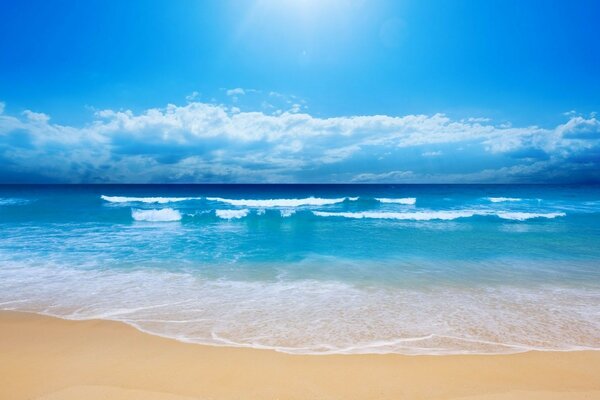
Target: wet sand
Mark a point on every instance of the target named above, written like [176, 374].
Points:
[53, 359]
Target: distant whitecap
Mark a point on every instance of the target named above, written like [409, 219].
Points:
[414, 216]
[523, 216]
[503, 199]
[287, 212]
[162, 215]
[231, 214]
[157, 200]
[309, 201]
[438, 215]
[406, 200]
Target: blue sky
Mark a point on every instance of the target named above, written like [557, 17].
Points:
[299, 91]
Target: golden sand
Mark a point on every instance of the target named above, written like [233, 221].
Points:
[52, 359]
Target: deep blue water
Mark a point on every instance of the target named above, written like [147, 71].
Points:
[313, 268]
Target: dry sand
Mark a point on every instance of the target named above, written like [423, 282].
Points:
[52, 359]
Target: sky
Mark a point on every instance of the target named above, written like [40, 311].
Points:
[287, 91]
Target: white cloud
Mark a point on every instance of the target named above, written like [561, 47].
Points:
[296, 108]
[478, 119]
[236, 92]
[208, 142]
[192, 96]
[387, 177]
[34, 116]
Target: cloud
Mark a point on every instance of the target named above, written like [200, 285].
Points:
[192, 96]
[236, 92]
[478, 119]
[202, 142]
[392, 176]
[37, 117]
[296, 108]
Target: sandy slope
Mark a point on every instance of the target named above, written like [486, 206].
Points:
[52, 359]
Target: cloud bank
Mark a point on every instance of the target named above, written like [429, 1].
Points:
[203, 142]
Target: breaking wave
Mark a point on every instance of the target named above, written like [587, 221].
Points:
[156, 200]
[309, 201]
[437, 215]
[231, 214]
[162, 215]
[523, 216]
[406, 200]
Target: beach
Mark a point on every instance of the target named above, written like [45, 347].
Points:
[217, 292]
[313, 269]
[299, 200]
[54, 359]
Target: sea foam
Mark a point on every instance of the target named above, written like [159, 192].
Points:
[406, 200]
[503, 199]
[162, 215]
[309, 201]
[438, 215]
[12, 201]
[287, 212]
[157, 200]
[313, 317]
[523, 216]
[414, 216]
[231, 214]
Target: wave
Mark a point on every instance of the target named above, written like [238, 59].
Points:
[502, 199]
[287, 212]
[310, 316]
[309, 201]
[157, 200]
[523, 216]
[231, 214]
[11, 201]
[406, 200]
[414, 216]
[162, 215]
[437, 215]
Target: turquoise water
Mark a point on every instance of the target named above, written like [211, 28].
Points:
[415, 269]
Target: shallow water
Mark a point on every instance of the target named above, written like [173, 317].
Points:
[415, 269]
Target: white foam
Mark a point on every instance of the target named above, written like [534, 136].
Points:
[157, 200]
[287, 212]
[438, 215]
[162, 215]
[503, 199]
[11, 201]
[309, 201]
[523, 216]
[406, 200]
[313, 317]
[231, 214]
[415, 216]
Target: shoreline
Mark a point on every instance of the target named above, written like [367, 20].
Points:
[48, 358]
[233, 345]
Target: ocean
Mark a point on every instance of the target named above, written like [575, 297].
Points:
[313, 269]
